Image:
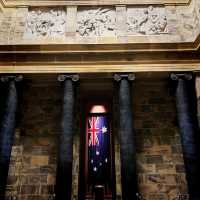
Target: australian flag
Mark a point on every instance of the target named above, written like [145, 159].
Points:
[98, 150]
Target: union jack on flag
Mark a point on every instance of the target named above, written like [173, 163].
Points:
[93, 131]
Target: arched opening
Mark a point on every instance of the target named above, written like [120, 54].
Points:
[98, 109]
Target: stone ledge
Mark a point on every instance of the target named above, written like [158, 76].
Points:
[95, 68]
[99, 48]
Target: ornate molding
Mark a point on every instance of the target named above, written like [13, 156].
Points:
[96, 68]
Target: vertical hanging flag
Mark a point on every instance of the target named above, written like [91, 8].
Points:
[98, 150]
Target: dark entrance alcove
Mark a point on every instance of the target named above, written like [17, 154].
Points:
[96, 97]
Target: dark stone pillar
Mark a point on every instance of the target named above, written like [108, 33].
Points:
[64, 167]
[197, 86]
[7, 130]
[127, 139]
[187, 131]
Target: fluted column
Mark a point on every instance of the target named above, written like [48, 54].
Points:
[187, 132]
[7, 130]
[64, 166]
[127, 138]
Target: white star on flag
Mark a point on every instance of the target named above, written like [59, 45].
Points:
[104, 129]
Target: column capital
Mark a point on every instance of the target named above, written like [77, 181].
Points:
[6, 78]
[63, 77]
[186, 76]
[119, 77]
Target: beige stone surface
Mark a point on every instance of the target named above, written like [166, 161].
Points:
[47, 25]
[39, 160]
[71, 19]
[7, 3]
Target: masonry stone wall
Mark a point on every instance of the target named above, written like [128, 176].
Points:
[34, 154]
[160, 164]
[159, 152]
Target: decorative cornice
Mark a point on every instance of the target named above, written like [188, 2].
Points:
[96, 68]
[101, 48]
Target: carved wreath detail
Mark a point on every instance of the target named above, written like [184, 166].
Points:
[147, 21]
[96, 22]
[48, 22]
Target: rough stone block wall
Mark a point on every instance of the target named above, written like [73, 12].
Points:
[160, 162]
[32, 169]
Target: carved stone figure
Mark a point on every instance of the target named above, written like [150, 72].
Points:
[147, 21]
[96, 22]
[47, 22]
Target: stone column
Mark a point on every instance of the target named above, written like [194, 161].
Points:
[197, 84]
[7, 130]
[64, 166]
[127, 137]
[187, 131]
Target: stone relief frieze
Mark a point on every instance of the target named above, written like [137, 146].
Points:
[177, 23]
[147, 21]
[96, 22]
[48, 22]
